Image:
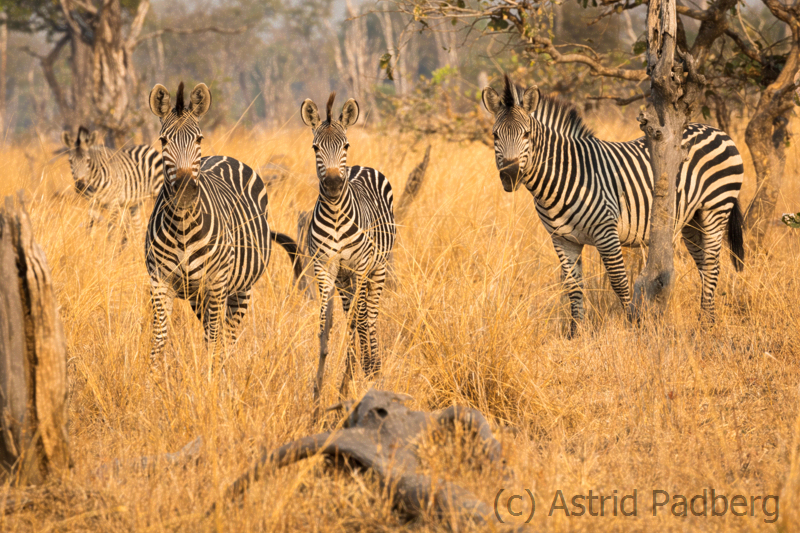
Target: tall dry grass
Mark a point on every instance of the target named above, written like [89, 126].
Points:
[477, 317]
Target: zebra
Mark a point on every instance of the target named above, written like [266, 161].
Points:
[207, 239]
[119, 180]
[350, 238]
[598, 193]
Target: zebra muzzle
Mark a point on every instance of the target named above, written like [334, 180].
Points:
[509, 176]
[332, 185]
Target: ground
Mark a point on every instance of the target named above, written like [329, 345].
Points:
[476, 317]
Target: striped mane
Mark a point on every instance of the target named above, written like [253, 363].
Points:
[562, 117]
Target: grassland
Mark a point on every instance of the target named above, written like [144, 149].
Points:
[477, 317]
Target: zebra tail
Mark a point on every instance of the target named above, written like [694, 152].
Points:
[290, 246]
[735, 236]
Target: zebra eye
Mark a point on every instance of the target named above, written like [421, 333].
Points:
[199, 138]
[494, 134]
[526, 135]
[315, 147]
[346, 146]
[163, 141]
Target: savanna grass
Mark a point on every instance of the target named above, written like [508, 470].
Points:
[476, 317]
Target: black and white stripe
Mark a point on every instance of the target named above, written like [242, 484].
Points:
[117, 180]
[599, 193]
[208, 240]
[350, 238]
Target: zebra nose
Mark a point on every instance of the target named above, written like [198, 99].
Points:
[509, 175]
[333, 180]
[183, 174]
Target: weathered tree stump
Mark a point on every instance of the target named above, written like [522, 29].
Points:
[33, 357]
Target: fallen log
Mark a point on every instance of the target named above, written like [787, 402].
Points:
[381, 434]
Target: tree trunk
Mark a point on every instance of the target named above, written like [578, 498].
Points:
[33, 364]
[663, 132]
[3, 72]
[766, 136]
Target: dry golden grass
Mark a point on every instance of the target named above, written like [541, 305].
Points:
[477, 318]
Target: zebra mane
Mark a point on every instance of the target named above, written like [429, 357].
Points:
[561, 116]
[179, 107]
[329, 107]
[510, 92]
[81, 131]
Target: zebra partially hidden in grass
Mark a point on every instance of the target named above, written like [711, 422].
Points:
[350, 238]
[208, 240]
[598, 193]
[116, 180]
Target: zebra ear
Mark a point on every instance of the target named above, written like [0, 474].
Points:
[349, 114]
[491, 100]
[530, 99]
[309, 113]
[201, 100]
[94, 138]
[159, 101]
[66, 138]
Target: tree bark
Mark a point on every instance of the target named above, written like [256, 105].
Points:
[3, 71]
[33, 364]
[670, 100]
[766, 137]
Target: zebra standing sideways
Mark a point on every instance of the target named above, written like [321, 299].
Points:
[599, 193]
[116, 180]
[208, 240]
[351, 236]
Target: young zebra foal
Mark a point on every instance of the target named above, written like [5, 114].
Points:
[118, 181]
[351, 235]
[208, 240]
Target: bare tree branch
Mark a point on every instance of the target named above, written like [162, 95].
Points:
[136, 25]
[621, 101]
[544, 44]
[190, 31]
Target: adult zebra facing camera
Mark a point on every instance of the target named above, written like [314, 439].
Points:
[599, 193]
[350, 237]
[208, 240]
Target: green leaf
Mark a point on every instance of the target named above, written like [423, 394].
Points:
[386, 64]
[706, 112]
[791, 220]
[639, 47]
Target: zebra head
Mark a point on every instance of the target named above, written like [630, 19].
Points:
[180, 140]
[80, 158]
[513, 130]
[330, 144]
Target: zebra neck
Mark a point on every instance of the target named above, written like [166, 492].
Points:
[547, 166]
[182, 219]
[98, 159]
[337, 211]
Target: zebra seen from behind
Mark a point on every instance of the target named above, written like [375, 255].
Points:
[599, 193]
[116, 180]
[208, 240]
[350, 238]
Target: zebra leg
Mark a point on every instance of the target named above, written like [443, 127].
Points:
[213, 311]
[326, 288]
[375, 283]
[350, 293]
[703, 238]
[162, 296]
[136, 218]
[234, 311]
[608, 245]
[569, 253]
